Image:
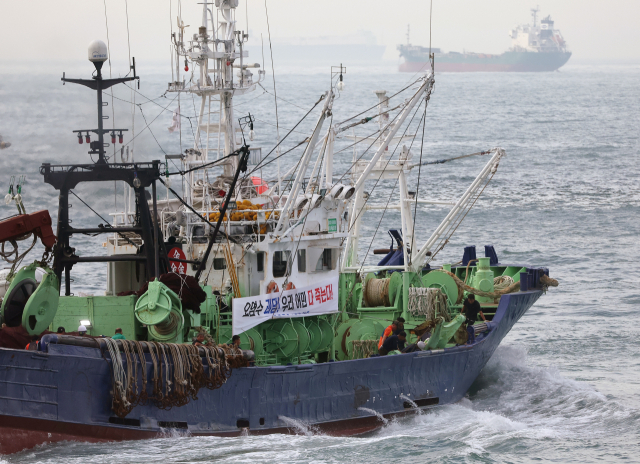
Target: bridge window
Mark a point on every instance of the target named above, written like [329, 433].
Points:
[281, 263]
[219, 264]
[326, 261]
[302, 260]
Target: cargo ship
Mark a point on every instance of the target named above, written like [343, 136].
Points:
[242, 305]
[536, 48]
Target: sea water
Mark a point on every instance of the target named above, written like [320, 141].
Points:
[564, 384]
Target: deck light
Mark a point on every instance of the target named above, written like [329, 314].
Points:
[86, 323]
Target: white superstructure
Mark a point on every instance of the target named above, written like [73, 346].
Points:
[538, 37]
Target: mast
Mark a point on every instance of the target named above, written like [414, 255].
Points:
[215, 52]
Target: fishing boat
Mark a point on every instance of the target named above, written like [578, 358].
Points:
[280, 263]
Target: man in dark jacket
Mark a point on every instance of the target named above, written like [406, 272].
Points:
[392, 343]
[471, 309]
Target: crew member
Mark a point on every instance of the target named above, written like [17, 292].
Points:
[392, 343]
[61, 330]
[118, 335]
[235, 341]
[415, 347]
[391, 330]
[471, 309]
[82, 330]
[199, 341]
[33, 344]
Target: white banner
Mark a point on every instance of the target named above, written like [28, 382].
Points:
[316, 299]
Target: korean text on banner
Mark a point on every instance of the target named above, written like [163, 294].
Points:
[316, 299]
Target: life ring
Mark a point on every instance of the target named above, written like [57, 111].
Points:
[273, 287]
[290, 286]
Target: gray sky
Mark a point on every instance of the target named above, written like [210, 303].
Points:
[60, 30]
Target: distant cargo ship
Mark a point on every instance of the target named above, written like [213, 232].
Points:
[534, 48]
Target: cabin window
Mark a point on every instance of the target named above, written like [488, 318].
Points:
[325, 261]
[219, 264]
[302, 260]
[280, 263]
[260, 256]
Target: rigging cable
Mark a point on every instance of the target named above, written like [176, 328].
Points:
[394, 187]
[275, 93]
[152, 134]
[147, 126]
[415, 207]
[283, 139]
[379, 103]
[107, 225]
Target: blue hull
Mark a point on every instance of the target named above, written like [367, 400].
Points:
[64, 394]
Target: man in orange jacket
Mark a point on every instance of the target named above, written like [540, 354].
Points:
[394, 328]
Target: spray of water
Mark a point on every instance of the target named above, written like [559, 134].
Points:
[375, 413]
[300, 427]
[412, 403]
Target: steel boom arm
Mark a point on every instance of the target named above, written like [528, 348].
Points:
[420, 255]
[304, 163]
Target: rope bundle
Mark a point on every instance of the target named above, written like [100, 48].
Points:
[7, 255]
[429, 302]
[502, 282]
[178, 372]
[364, 348]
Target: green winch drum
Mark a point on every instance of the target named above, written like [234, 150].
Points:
[161, 310]
[321, 334]
[249, 339]
[356, 330]
[156, 304]
[444, 282]
[381, 292]
[38, 302]
[286, 338]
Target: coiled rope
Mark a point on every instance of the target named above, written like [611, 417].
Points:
[376, 292]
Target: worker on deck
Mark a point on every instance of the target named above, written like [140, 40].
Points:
[33, 344]
[471, 309]
[61, 330]
[199, 341]
[119, 335]
[235, 341]
[82, 330]
[392, 343]
[390, 330]
[395, 328]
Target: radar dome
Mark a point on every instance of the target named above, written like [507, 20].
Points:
[97, 51]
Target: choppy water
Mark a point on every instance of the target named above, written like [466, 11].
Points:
[564, 384]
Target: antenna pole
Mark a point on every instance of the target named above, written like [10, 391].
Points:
[101, 158]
